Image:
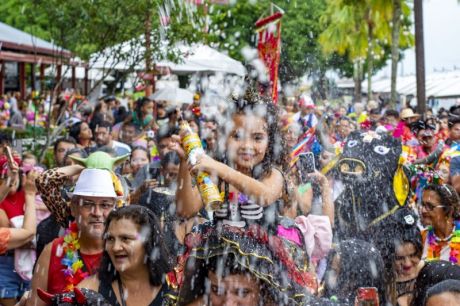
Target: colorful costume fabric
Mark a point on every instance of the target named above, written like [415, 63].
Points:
[271, 248]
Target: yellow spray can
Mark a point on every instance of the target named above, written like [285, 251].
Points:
[191, 143]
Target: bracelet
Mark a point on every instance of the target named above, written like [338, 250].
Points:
[303, 188]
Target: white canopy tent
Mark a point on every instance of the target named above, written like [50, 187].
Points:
[174, 95]
[93, 74]
[192, 59]
[202, 58]
[438, 85]
[124, 56]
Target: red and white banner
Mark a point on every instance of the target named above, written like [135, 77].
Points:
[269, 47]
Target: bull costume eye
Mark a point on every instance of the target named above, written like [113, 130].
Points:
[382, 150]
[352, 143]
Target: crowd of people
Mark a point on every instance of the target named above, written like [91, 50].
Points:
[318, 203]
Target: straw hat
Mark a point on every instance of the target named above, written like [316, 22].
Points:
[408, 113]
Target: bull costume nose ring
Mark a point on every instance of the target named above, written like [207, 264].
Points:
[352, 166]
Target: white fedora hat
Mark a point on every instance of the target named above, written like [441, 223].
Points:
[94, 183]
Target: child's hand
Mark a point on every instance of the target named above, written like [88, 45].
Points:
[325, 158]
[13, 172]
[176, 146]
[29, 182]
[150, 184]
[203, 163]
[319, 178]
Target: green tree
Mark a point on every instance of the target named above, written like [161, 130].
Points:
[361, 30]
[88, 26]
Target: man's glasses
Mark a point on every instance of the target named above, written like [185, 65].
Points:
[91, 205]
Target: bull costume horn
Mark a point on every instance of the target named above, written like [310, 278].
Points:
[100, 160]
[80, 297]
[45, 296]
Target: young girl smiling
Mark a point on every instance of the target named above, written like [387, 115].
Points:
[247, 224]
[248, 171]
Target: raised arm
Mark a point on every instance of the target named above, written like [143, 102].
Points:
[49, 185]
[265, 191]
[188, 198]
[21, 236]
[11, 181]
[12, 238]
[326, 194]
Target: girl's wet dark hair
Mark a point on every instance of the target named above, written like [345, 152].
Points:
[74, 130]
[141, 102]
[412, 236]
[196, 277]
[157, 257]
[449, 198]
[432, 273]
[170, 158]
[253, 103]
[447, 286]
[406, 232]
[361, 265]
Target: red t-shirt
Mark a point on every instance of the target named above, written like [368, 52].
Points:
[56, 279]
[13, 205]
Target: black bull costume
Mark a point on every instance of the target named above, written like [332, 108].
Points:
[375, 185]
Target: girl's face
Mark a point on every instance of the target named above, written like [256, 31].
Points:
[444, 124]
[85, 131]
[234, 289]
[292, 135]
[139, 159]
[147, 108]
[170, 173]
[289, 107]
[103, 107]
[124, 245]
[247, 143]
[161, 111]
[211, 141]
[406, 260]
[193, 126]
[29, 162]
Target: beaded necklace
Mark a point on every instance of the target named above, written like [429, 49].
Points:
[73, 272]
[434, 248]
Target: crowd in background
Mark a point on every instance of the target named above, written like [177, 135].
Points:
[146, 232]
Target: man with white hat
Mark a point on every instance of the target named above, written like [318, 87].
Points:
[305, 116]
[69, 259]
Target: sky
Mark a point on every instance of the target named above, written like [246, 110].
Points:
[442, 39]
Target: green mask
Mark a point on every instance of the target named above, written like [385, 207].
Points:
[100, 160]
